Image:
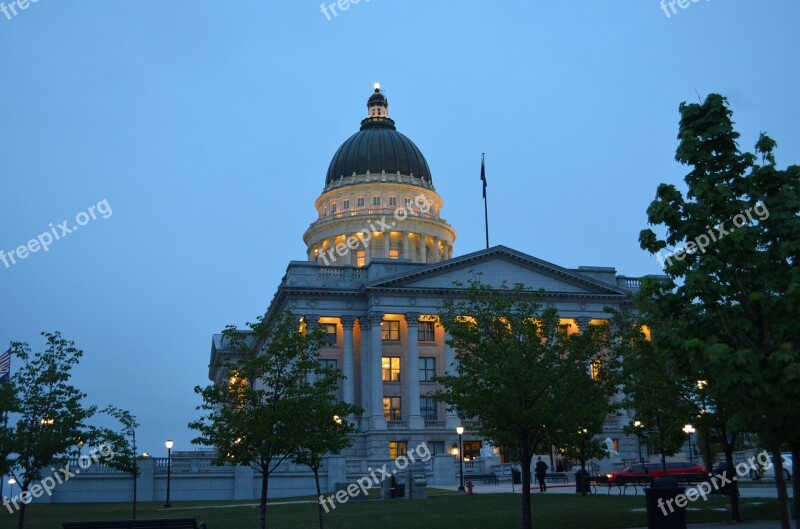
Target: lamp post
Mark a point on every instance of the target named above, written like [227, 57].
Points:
[169, 444]
[11, 483]
[460, 431]
[689, 430]
[639, 427]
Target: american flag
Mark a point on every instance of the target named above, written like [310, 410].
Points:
[5, 365]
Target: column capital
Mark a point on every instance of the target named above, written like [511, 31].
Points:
[583, 323]
[348, 321]
[375, 318]
[311, 319]
[412, 319]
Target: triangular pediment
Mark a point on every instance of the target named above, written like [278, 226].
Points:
[495, 266]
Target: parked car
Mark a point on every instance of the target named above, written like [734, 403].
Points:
[675, 468]
[769, 473]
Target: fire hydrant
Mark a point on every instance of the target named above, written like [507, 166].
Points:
[469, 487]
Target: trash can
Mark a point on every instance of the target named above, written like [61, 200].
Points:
[582, 482]
[662, 511]
[516, 476]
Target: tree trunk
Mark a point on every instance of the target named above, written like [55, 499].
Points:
[21, 519]
[134, 489]
[728, 444]
[780, 481]
[525, 460]
[796, 483]
[262, 505]
[319, 495]
[661, 446]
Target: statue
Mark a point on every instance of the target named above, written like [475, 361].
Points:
[610, 447]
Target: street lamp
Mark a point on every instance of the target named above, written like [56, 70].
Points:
[460, 432]
[639, 427]
[11, 483]
[689, 430]
[169, 444]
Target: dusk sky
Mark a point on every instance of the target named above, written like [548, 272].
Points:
[202, 132]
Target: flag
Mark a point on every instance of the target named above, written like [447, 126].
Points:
[483, 176]
[5, 365]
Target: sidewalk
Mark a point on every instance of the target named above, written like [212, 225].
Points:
[569, 488]
[743, 525]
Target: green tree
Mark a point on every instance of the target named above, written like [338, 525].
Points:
[658, 388]
[324, 424]
[737, 273]
[252, 420]
[517, 371]
[50, 416]
[123, 445]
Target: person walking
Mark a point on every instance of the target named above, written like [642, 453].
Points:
[541, 471]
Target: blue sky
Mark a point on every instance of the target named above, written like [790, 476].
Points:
[208, 128]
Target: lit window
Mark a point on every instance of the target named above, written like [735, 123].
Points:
[360, 202]
[425, 331]
[397, 449]
[427, 368]
[595, 369]
[394, 254]
[391, 408]
[472, 449]
[330, 334]
[345, 205]
[392, 201]
[427, 407]
[361, 259]
[390, 331]
[376, 201]
[391, 368]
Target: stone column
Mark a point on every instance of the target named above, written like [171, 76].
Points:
[386, 238]
[436, 253]
[366, 373]
[415, 421]
[348, 392]
[451, 419]
[422, 257]
[406, 254]
[377, 420]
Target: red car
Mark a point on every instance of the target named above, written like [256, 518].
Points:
[655, 470]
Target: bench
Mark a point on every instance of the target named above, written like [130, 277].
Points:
[594, 481]
[152, 523]
[691, 479]
[623, 482]
[557, 476]
[486, 479]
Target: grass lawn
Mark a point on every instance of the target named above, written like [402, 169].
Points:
[440, 510]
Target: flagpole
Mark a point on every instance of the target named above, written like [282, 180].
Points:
[485, 203]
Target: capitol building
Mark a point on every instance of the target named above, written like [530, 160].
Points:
[379, 262]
